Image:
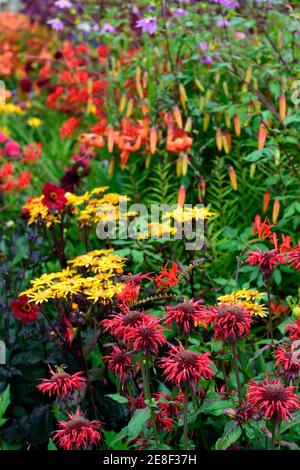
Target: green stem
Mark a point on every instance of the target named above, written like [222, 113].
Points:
[185, 418]
[236, 367]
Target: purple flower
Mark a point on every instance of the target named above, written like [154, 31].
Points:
[206, 59]
[223, 23]
[107, 28]
[63, 4]
[56, 24]
[147, 24]
[227, 3]
[203, 46]
[180, 12]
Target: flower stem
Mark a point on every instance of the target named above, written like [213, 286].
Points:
[185, 418]
[236, 367]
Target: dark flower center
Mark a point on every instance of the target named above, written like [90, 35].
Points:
[187, 359]
[275, 392]
[26, 308]
[232, 310]
[186, 308]
[132, 318]
[53, 196]
[59, 376]
[76, 424]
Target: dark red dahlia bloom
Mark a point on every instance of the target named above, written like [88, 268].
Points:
[266, 260]
[272, 398]
[183, 366]
[186, 315]
[230, 322]
[24, 310]
[294, 257]
[121, 324]
[168, 278]
[54, 196]
[147, 337]
[61, 383]
[293, 330]
[78, 432]
[285, 361]
[120, 362]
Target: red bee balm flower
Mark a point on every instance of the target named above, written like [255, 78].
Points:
[266, 260]
[272, 398]
[186, 367]
[120, 363]
[78, 432]
[289, 368]
[230, 322]
[147, 337]
[119, 325]
[186, 314]
[54, 196]
[294, 257]
[62, 384]
[24, 310]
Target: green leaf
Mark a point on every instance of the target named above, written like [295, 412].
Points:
[51, 445]
[118, 398]
[260, 155]
[138, 421]
[4, 401]
[216, 408]
[231, 435]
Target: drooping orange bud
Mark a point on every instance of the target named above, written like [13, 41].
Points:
[276, 210]
[226, 141]
[129, 108]
[206, 121]
[201, 189]
[177, 117]
[232, 176]
[153, 140]
[123, 102]
[110, 139]
[219, 139]
[181, 196]
[266, 200]
[282, 106]
[145, 108]
[237, 125]
[262, 135]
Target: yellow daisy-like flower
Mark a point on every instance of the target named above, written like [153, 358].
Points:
[39, 212]
[10, 108]
[99, 261]
[246, 298]
[34, 122]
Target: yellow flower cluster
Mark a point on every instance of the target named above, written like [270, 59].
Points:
[100, 268]
[37, 211]
[10, 108]
[248, 298]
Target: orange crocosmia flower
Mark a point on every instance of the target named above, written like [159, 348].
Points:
[178, 141]
[262, 229]
[69, 126]
[8, 186]
[32, 152]
[6, 170]
[23, 180]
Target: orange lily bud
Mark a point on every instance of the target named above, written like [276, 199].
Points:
[232, 176]
[276, 209]
[145, 80]
[129, 108]
[138, 74]
[266, 200]
[111, 167]
[226, 141]
[179, 167]
[177, 117]
[219, 139]
[182, 95]
[206, 121]
[110, 139]
[145, 109]
[252, 170]
[237, 125]
[225, 88]
[184, 165]
[201, 189]
[153, 140]
[199, 85]
[262, 135]
[123, 102]
[139, 89]
[282, 106]
[181, 196]
[188, 125]
[227, 119]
